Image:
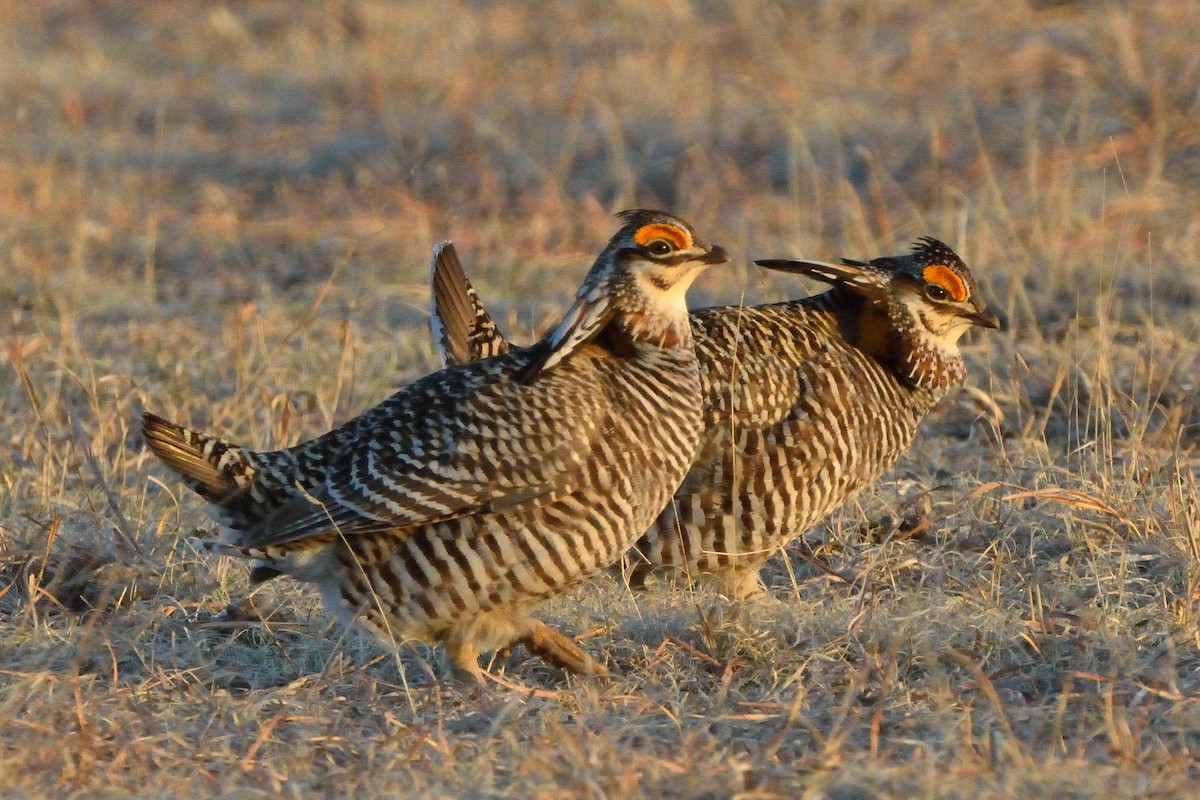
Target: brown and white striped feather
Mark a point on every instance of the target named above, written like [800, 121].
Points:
[435, 573]
[467, 491]
[461, 328]
[799, 422]
[806, 403]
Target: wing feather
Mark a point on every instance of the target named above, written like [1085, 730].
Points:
[462, 441]
[748, 356]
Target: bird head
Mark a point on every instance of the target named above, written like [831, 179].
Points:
[639, 281]
[657, 256]
[939, 292]
[929, 291]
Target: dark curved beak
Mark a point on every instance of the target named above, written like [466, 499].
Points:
[986, 319]
[715, 255]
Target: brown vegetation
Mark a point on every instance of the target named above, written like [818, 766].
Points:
[224, 213]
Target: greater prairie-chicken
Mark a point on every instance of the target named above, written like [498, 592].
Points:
[449, 510]
[806, 402]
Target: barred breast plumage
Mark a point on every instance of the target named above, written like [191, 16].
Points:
[449, 510]
[806, 403]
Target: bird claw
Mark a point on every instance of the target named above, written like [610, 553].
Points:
[561, 651]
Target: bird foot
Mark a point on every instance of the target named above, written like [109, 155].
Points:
[561, 651]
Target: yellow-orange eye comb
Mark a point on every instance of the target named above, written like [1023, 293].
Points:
[944, 277]
[678, 237]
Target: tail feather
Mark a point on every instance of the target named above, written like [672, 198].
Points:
[462, 329]
[218, 471]
[234, 551]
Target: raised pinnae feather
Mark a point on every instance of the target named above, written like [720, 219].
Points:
[853, 275]
[591, 311]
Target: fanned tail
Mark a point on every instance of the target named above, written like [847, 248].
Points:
[462, 329]
[216, 470]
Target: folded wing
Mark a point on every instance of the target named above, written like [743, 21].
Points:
[463, 441]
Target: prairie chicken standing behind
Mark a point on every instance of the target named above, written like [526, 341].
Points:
[449, 510]
[806, 402]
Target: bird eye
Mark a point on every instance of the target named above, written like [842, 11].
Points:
[935, 292]
[658, 247]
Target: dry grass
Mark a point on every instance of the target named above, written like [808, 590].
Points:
[224, 213]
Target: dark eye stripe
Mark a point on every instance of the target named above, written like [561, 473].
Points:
[672, 259]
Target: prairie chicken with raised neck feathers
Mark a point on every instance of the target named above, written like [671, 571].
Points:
[806, 402]
[448, 511]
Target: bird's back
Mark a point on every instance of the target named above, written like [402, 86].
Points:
[806, 402]
[524, 548]
[799, 419]
[448, 510]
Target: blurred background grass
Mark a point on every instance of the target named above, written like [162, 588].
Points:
[224, 212]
